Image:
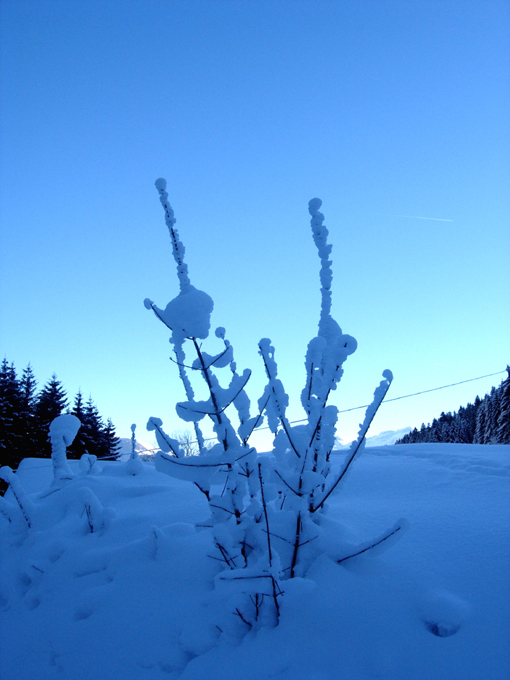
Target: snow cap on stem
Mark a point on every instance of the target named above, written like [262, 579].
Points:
[187, 315]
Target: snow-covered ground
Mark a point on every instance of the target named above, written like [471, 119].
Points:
[135, 600]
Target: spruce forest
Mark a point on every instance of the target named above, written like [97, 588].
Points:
[487, 421]
[26, 414]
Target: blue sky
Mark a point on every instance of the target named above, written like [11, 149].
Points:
[387, 111]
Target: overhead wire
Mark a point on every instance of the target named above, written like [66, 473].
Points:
[404, 396]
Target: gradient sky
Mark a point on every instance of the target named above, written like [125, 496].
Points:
[395, 114]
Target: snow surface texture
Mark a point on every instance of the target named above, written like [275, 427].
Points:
[135, 599]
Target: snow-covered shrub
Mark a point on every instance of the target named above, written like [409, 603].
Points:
[267, 512]
[24, 503]
[69, 491]
[63, 430]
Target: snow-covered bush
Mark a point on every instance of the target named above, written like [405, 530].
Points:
[25, 513]
[267, 512]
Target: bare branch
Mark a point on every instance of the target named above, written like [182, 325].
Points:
[378, 542]
[264, 506]
[353, 454]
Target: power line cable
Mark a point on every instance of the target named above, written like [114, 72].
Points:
[434, 389]
[404, 396]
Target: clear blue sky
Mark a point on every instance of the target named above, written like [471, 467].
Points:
[387, 111]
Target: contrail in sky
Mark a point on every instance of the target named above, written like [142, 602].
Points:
[415, 217]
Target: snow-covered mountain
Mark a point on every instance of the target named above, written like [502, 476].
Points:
[385, 438]
[141, 448]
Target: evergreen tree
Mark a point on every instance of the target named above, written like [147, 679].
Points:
[93, 436]
[486, 421]
[25, 418]
[93, 428]
[470, 419]
[9, 414]
[110, 441]
[26, 425]
[50, 403]
[432, 433]
[481, 421]
[491, 425]
[503, 431]
[80, 444]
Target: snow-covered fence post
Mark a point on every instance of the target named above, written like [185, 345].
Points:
[63, 430]
[133, 466]
[265, 511]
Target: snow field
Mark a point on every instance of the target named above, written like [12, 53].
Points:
[135, 598]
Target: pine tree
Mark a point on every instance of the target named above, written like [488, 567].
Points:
[486, 421]
[111, 442]
[9, 414]
[503, 431]
[26, 425]
[25, 418]
[93, 436]
[51, 402]
[481, 421]
[80, 444]
[433, 432]
[90, 435]
[470, 419]
[491, 425]
[460, 431]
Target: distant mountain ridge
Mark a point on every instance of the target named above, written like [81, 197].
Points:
[386, 438]
[140, 447]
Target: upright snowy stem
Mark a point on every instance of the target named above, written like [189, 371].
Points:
[134, 453]
[190, 395]
[372, 409]
[178, 249]
[277, 392]
[320, 237]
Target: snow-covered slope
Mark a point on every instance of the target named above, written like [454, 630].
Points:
[134, 600]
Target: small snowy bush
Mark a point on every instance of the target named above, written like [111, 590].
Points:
[62, 432]
[267, 513]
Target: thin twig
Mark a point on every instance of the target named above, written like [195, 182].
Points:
[296, 545]
[242, 618]
[257, 421]
[232, 512]
[281, 417]
[264, 506]
[192, 465]
[199, 368]
[351, 458]
[165, 437]
[381, 540]
[288, 485]
[216, 413]
[245, 454]
[229, 560]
